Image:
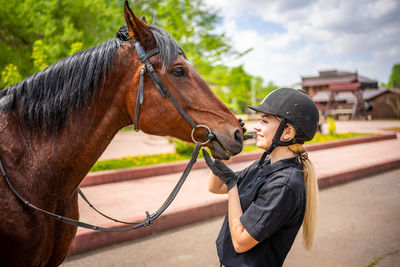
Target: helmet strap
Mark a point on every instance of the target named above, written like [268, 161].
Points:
[276, 141]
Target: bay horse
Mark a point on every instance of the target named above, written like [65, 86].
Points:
[55, 124]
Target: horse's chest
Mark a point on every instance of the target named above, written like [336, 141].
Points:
[29, 238]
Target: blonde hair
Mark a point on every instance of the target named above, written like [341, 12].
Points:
[310, 181]
[311, 184]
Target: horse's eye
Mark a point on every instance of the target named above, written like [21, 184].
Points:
[179, 71]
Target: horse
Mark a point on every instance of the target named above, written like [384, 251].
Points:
[55, 124]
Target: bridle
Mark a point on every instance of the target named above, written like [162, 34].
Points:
[163, 90]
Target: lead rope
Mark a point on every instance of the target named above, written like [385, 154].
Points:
[149, 217]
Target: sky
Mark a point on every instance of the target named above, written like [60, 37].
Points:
[293, 39]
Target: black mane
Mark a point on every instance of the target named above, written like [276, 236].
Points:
[48, 98]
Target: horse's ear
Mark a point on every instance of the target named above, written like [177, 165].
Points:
[143, 18]
[138, 29]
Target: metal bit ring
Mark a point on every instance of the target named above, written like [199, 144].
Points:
[201, 126]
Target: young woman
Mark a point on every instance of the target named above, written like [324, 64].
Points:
[271, 199]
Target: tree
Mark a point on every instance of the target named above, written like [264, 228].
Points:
[236, 88]
[36, 33]
[55, 25]
[192, 24]
[394, 80]
[10, 75]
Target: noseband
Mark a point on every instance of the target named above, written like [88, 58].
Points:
[163, 90]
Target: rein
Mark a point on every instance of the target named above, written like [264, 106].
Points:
[149, 217]
[163, 90]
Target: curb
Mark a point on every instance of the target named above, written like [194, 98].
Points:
[89, 239]
[355, 174]
[113, 176]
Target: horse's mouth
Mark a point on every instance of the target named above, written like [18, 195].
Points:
[219, 151]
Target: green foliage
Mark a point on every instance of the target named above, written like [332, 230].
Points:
[58, 24]
[236, 88]
[75, 47]
[331, 126]
[36, 33]
[129, 162]
[376, 260]
[39, 55]
[10, 75]
[183, 148]
[394, 80]
[192, 23]
[320, 138]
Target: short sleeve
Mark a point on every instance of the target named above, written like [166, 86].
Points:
[272, 209]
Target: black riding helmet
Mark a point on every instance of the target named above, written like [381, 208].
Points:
[294, 107]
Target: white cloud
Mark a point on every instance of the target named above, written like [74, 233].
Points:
[362, 35]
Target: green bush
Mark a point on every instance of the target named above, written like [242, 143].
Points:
[10, 75]
[39, 55]
[183, 148]
[136, 161]
[331, 126]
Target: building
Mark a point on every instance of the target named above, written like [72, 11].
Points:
[315, 84]
[348, 95]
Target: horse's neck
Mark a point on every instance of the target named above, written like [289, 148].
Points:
[59, 164]
[86, 137]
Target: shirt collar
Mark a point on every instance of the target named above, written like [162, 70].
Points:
[269, 168]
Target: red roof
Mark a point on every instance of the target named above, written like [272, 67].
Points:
[344, 86]
[326, 81]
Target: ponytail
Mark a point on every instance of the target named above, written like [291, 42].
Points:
[310, 181]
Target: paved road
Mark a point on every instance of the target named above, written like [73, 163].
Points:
[358, 221]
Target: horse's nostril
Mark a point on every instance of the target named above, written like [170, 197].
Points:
[239, 136]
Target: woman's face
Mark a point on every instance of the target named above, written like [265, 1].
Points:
[266, 129]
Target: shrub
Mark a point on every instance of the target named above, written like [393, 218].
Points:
[331, 126]
[183, 148]
[10, 75]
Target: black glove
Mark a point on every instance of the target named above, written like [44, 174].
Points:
[245, 136]
[221, 170]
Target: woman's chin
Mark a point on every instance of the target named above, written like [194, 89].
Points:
[261, 145]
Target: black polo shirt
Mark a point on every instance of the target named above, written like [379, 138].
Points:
[273, 202]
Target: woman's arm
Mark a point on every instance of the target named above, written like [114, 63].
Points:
[216, 186]
[227, 180]
[241, 239]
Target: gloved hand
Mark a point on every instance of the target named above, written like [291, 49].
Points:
[219, 169]
[245, 136]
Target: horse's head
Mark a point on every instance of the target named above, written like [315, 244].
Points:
[158, 115]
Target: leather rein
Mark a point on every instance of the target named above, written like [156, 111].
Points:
[163, 90]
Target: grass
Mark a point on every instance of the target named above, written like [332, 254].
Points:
[136, 161]
[145, 160]
[376, 260]
[394, 129]
[319, 138]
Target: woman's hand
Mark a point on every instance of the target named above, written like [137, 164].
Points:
[245, 136]
[224, 173]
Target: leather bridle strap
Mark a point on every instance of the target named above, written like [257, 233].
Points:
[149, 217]
[276, 141]
[161, 88]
